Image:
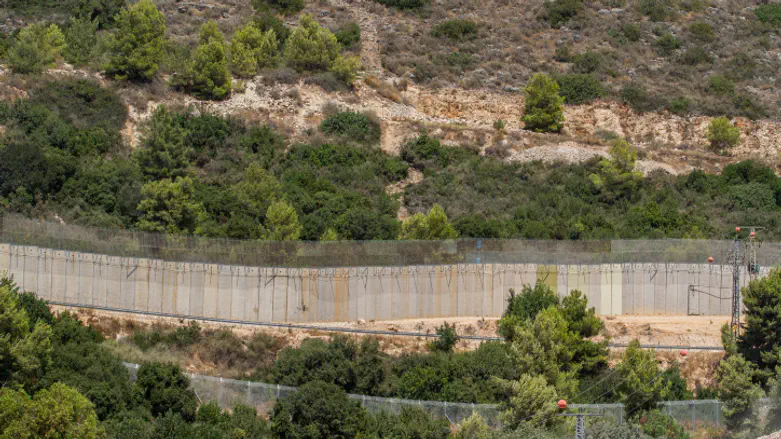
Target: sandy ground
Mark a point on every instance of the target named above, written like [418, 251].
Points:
[654, 330]
[697, 367]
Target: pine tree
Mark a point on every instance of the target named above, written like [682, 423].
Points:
[542, 111]
[311, 47]
[136, 47]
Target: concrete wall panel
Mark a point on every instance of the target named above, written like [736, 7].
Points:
[128, 270]
[5, 259]
[266, 295]
[224, 291]
[280, 294]
[211, 290]
[197, 276]
[142, 285]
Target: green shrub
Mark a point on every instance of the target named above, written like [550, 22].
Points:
[455, 29]
[252, 50]
[722, 134]
[742, 66]
[667, 44]
[721, 85]
[80, 41]
[404, 4]
[562, 54]
[36, 48]
[637, 97]
[542, 108]
[136, 48]
[561, 11]
[318, 410]
[434, 226]
[166, 388]
[349, 34]
[746, 106]
[310, 46]
[679, 106]
[207, 75]
[588, 62]
[353, 366]
[266, 21]
[632, 31]
[696, 55]
[702, 32]
[447, 339]
[286, 7]
[769, 13]
[525, 306]
[656, 10]
[579, 88]
[345, 68]
[351, 125]
[411, 423]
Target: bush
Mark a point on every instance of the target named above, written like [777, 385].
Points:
[579, 88]
[207, 76]
[721, 85]
[318, 410]
[637, 97]
[631, 31]
[252, 50]
[434, 226]
[739, 394]
[286, 7]
[80, 41]
[311, 47]
[769, 13]
[136, 48]
[667, 44]
[166, 388]
[349, 34]
[353, 126]
[345, 68]
[588, 62]
[542, 108]
[561, 11]
[702, 32]
[36, 48]
[722, 134]
[354, 367]
[447, 339]
[696, 55]
[641, 384]
[267, 21]
[761, 302]
[404, 4]
[455, 29]
[679, 106]
[656, 10]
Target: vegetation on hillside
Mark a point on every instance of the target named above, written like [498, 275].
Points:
[199, 173]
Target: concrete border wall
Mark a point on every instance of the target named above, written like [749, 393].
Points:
[270, 294]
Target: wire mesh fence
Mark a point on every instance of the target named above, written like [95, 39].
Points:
[691, 414]
[17, 229]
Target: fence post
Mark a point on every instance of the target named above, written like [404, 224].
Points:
[717, 413]
[219, 398]
[694, 416]
[363, 401]
[249, 387]
[620, 414]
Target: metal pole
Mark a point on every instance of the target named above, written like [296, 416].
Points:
[718, 409]
[694, 415]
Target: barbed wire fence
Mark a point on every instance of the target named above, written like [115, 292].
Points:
[20, 230]
[229, 393]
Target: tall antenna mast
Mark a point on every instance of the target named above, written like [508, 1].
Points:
[738, 258]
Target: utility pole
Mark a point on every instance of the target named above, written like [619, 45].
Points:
[737, 258]
[580, 419]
